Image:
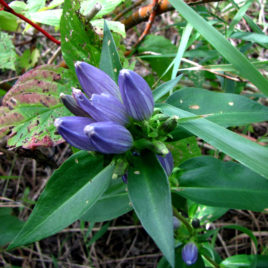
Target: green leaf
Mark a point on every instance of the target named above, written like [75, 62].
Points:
[9, 227]
[8, 22]
[238, 16]
[112, 204]
[34, 5]
[109, 62]
[212, 182]
[159, 46]
[71, 191]
[224, 109]
[245, 261]
[207, 213]
[48, 17]
[7, 52]
[31, 106]
[184, 149]
[115, 26]
[165, 88]
[181, 50]
[77, 43]
[250, 154]
[18, 6]
[28, 59]
[252, 37]
[150, 196]
[229, 52]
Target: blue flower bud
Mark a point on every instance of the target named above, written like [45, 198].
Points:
[109, 137]
[176, 223]
[189, 253]
[136, 95]
[71, 128]
[94, 80]
[166, 162]
[69, 102]
[124, 178]
[102, 107]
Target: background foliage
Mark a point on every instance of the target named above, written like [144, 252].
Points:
[206, 64]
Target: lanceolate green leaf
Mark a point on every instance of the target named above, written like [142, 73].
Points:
[222, 108]
[165, 88]
[253, 37]
[71, 191]
[250, 154]
[150, 196]
[230, 53]
[238, 16]
[77, 43]
[112, 204]
[212, 182]
[109, 62]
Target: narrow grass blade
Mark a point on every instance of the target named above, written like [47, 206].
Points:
[230, 53]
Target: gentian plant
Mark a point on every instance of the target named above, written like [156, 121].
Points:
[113, 119]
[135, 149]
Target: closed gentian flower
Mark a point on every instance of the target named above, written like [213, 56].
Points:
[102, 113]
[189, 253]
[94, 80]
[109, 137]
[71, 128]
[166, 162]
[136, 95]
[70, 103]
[101, 107]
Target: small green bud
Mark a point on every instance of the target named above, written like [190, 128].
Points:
[120, 168]
[169, 125]
[160, 148]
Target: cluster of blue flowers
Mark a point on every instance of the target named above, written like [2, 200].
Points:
[101, 118]
[103, 115]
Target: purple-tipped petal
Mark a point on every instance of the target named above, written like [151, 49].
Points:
[69, 102]
[136, 95]
[109, 137]
[124, 178]
[102, 107]
[166, 162]
[94, 80]
[71, 128]
[189, 253]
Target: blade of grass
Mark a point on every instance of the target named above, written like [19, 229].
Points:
[223, 46]
[238, 16]
[182, 47]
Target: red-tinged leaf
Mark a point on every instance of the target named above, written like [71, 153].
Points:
[31, 106]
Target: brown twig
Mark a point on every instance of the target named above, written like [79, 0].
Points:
[7, 8]
[125, 11]
[147, 28]
[143, 13]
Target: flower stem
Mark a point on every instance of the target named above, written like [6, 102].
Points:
[216, 265]
[183, 220]
[7, 8]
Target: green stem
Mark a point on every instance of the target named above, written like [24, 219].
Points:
[216, 265]
[183, 220]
